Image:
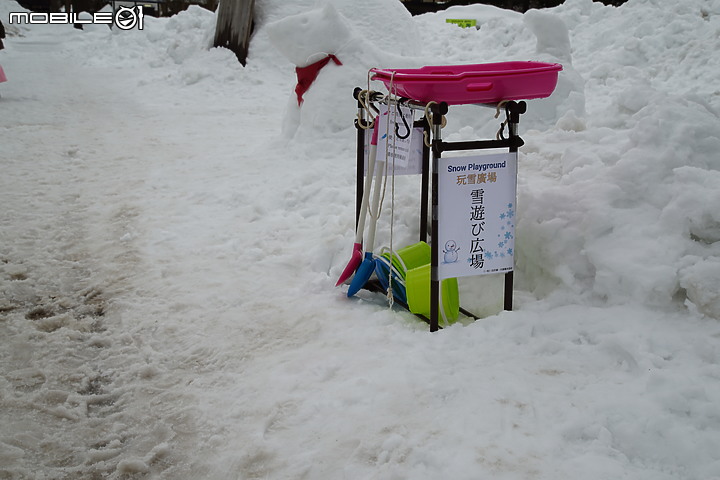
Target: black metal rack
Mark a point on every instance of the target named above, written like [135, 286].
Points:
[429, 180]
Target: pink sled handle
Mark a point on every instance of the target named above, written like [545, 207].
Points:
[479, 87]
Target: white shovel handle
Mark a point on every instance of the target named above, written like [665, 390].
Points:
[366, 189]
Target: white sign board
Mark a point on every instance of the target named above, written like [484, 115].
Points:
[476, 214]
[413, 166]
[395, 138]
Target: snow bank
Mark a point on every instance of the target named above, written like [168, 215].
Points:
[627, 233]
[380, 32]
[11, 30]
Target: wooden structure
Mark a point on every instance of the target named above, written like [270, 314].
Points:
[234, 26]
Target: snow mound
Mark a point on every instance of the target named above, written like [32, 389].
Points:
[308, 37]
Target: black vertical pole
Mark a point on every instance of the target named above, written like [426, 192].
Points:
[360, 155]
[425, 183]
[513, 111]
[438, 110]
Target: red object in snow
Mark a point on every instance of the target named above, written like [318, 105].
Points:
[307, 75]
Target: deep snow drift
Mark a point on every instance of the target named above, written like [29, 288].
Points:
[172, 226]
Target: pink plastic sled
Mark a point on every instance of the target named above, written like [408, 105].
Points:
[3, 78]
[478, 83]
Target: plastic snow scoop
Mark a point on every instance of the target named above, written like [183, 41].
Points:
[367, 267]
[397, 263]
[357, 256]
[417, 281]
[385, 269]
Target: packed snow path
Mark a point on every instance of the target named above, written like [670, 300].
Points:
[167, 262]
[88, 388]
[82, 391]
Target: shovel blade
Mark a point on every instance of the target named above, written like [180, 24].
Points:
[363, 274]
[353, 264]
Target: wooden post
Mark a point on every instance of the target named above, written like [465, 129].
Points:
[234, 25]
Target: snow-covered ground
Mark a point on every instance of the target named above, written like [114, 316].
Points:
[172, 225]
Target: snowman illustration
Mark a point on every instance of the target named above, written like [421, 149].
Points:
[451, 251]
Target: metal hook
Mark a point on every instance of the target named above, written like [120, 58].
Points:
[500, 133]
[397, 127]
